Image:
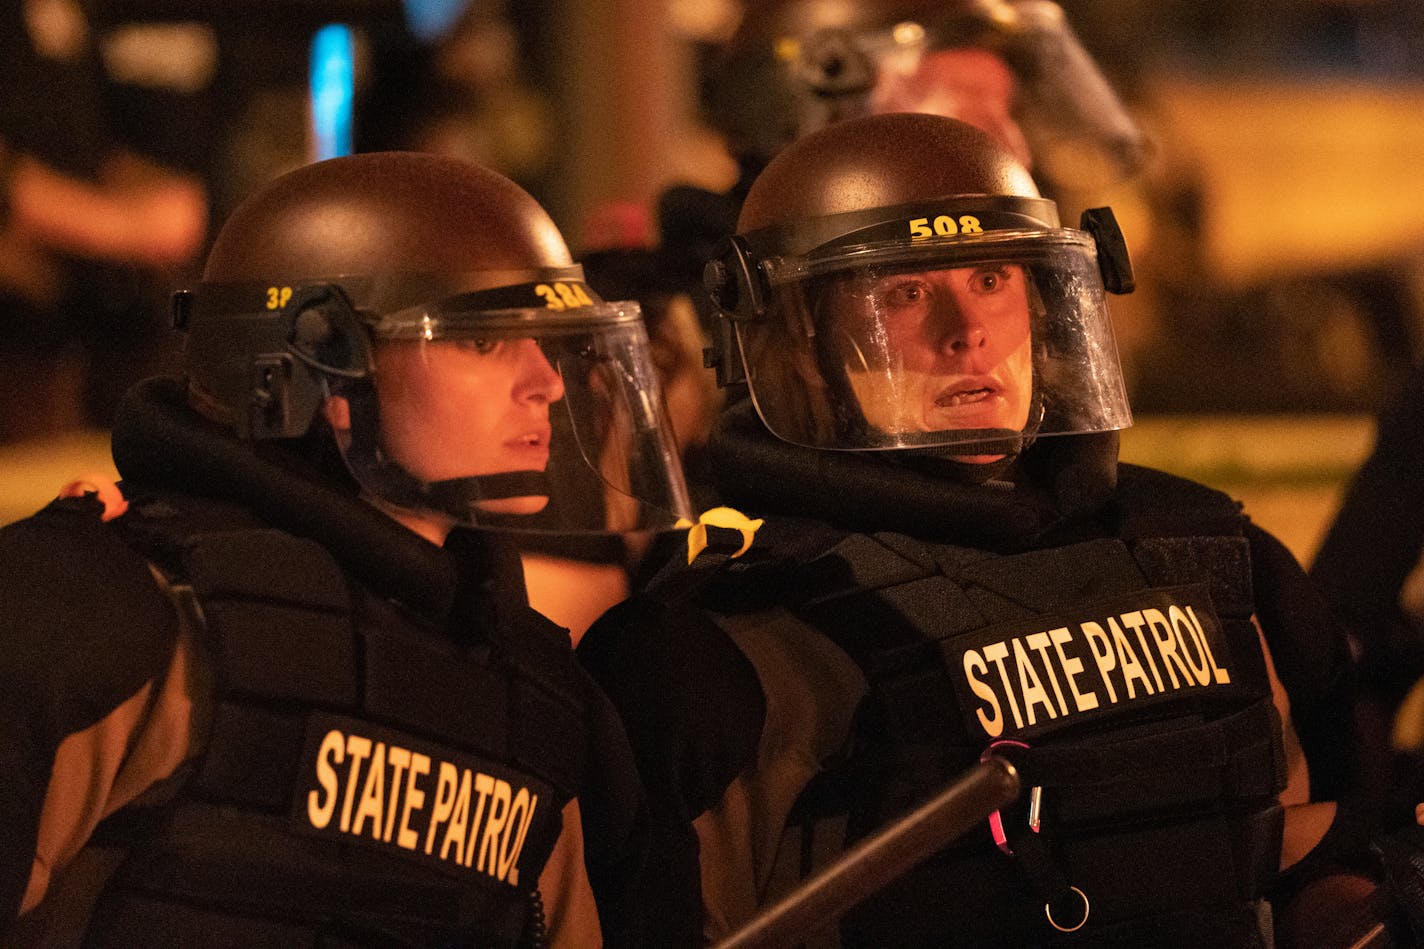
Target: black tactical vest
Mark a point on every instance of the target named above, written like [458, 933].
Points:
[368, 778]
[1123, 676]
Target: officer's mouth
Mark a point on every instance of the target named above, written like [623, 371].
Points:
[965, 394]
[530, 440]
[531, 446]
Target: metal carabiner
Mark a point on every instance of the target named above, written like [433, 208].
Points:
[1035, 802]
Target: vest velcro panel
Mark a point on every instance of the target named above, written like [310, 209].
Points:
[1233, 759]
[306, 891]
[1224, 562]
[546, 725]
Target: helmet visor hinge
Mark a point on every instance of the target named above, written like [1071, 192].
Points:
[324, 331]
[734, 283]
[1113, 259]
[269, 405]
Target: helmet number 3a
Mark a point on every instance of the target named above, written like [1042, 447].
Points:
[944, 226]
[562, 296]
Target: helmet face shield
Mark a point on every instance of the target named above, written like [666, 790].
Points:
[968, 341]
[427, 313]
[515, 399]
[527, 418]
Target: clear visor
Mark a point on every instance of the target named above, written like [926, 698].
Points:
[540, 419]
[967, 343]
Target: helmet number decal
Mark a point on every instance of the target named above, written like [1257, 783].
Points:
[562, 296]
[922, 228]
[277, 297]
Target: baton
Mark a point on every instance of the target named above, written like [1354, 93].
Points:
[881, 858]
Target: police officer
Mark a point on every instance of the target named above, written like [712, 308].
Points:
[294, 695]
[952, 562]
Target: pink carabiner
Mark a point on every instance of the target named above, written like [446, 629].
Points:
[996, 821]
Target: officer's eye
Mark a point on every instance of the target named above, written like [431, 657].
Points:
[905, 293]
[988, 279]
[480, 345]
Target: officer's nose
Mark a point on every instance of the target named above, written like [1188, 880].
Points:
[538, 381]
[960, 328]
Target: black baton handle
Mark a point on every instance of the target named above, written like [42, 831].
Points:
[881, 858]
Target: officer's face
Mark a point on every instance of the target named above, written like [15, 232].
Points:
[940, 350]
[455, 409]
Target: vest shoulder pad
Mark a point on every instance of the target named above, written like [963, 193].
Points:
[1150, 501]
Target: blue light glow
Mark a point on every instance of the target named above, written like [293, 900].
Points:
[332, 90]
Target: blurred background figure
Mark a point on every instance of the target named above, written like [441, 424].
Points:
[1368, 569]
[94, 220]
[1011, 67]
[1369, 562]
[457, 85]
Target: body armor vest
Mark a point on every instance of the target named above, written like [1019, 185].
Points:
[368, 777]
[1122, 675]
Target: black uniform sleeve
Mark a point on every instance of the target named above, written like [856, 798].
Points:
[83, 626]
[616, 828]
[1312, 659]
[693, 709]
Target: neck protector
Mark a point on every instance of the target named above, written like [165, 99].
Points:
[1054, 481]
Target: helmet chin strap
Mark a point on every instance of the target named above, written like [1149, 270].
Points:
[462, 496]
[937, 463]
[458, 497]
[946, 460]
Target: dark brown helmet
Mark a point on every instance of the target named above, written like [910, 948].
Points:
[863, 253]
[318, 268]
[407, 227]
[393, 212]
[867, 165]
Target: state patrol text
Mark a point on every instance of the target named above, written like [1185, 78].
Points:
[371, 785]
[1135, 649]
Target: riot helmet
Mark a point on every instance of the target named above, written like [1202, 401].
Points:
[897, 282]
[1014, 68]
[427, 311]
